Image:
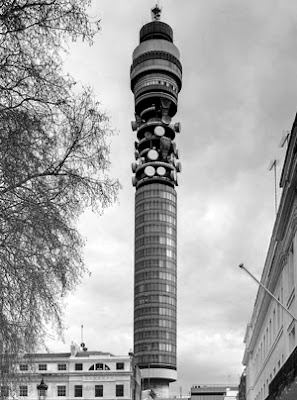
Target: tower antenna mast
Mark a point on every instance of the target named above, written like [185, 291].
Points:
[272, 165]
[82, 345]
[285, 138]
[156, 12]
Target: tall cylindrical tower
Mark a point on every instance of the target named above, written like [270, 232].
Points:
[156, 76]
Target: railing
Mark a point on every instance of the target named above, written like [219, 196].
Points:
[285, 376]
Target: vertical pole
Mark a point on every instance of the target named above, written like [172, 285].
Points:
[273, 165]
[275, 189]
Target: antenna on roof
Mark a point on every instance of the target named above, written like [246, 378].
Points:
[156, 12]
[272, 165]
[285, 138]
[82, 345]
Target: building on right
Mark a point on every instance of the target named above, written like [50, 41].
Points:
[242, 387]
[270, 353]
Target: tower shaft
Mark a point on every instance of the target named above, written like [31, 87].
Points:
[155, 81]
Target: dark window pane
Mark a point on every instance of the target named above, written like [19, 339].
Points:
[4, 391]
[61, 390]
[119, 390]
[98, 390]
[23, 390]
[78, 391]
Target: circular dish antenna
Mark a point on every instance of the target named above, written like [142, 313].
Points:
[134, 125]
[153, 155]
[166, 119]
[149, 170]
[177, 127]
[148, 135]
[159, 131]
[173, 175]
[134, 167]
[161, 171]
[178, 167]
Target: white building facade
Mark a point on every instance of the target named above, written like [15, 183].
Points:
[78, 375]
[270, 355]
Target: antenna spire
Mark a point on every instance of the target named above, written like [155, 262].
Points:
[272, 165]
[156, 13]
[82, 345]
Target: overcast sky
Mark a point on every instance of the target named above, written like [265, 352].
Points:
[239, 94]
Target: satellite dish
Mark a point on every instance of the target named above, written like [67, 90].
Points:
[166, 119]
[82, 345]
[153, 155]
[134, 167]
[161, 171]
[149, 171]
[134, 125]
[177, 127]
[159, 131]
[134, 180]
[178, 167]
[148, 135]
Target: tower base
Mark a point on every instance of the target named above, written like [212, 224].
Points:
[155, 382]
[154, 388]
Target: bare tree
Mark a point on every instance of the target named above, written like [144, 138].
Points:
[54, 159]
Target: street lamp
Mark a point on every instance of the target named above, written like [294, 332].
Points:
[42, 388]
